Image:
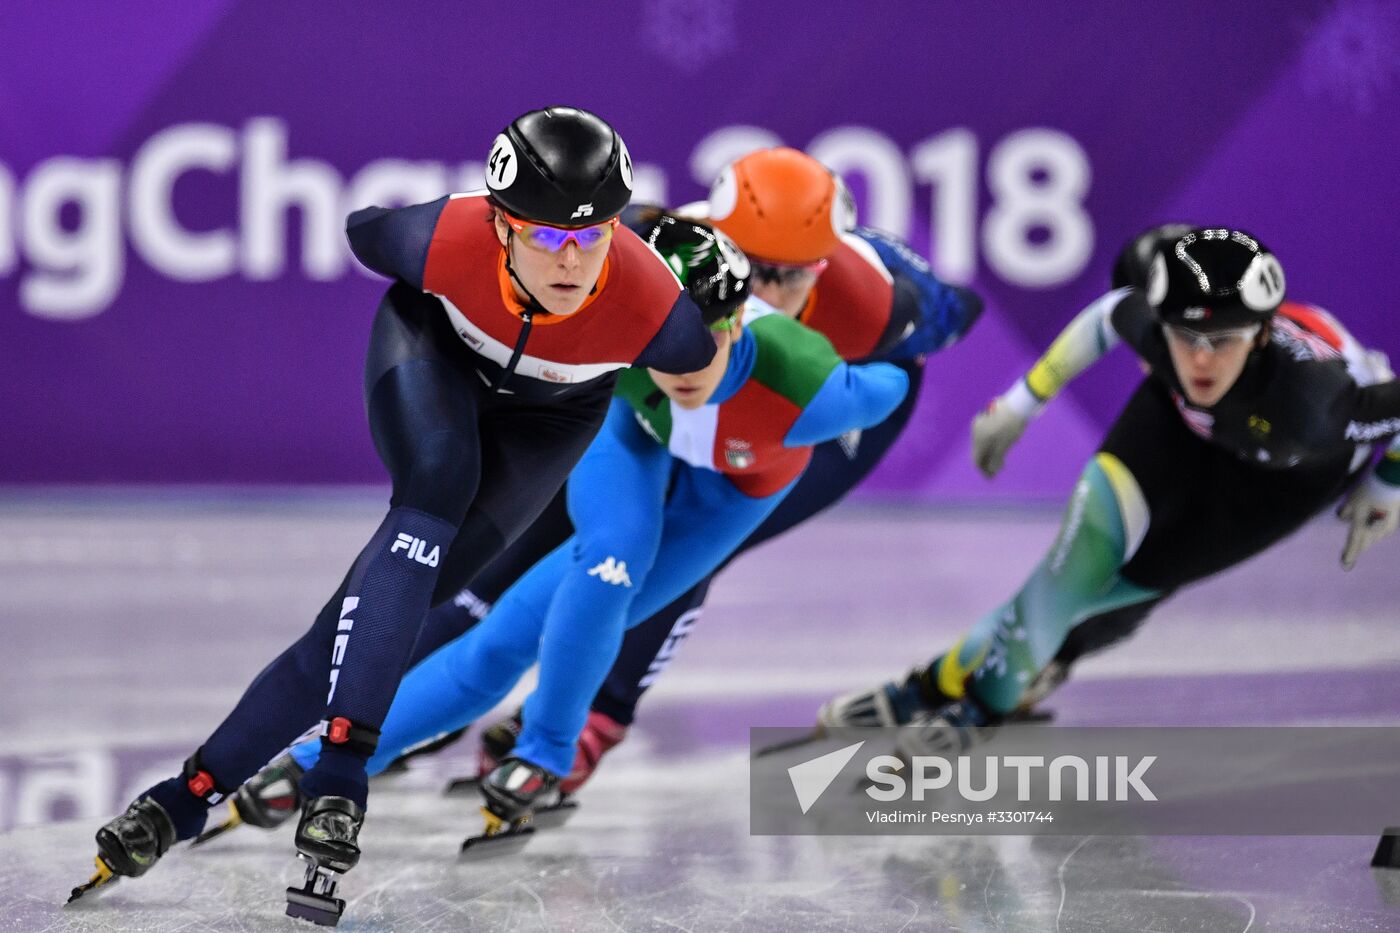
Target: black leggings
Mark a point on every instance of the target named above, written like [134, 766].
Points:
[471, 469]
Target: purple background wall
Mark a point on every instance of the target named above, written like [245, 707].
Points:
[152, 329]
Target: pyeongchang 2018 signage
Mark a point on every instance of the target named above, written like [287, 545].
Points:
[66, 225]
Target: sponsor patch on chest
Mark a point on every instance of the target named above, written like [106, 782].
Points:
[739, 453]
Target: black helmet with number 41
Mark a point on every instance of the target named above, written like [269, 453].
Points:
[1209, 278]
[560, 166]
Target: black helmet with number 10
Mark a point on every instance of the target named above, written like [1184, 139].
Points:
[560, 166]
[1211, 278]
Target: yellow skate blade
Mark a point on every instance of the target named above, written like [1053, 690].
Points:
[232, 821]
[103, 875]
[494, 824]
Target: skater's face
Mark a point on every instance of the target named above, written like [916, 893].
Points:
[786, 287]
[561, 279]
[692, 390]
[1207, 364]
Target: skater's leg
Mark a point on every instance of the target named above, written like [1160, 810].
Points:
[1079, 578]
[647, 649]
[704, 519]
[414, 391]
[522, 454]
[453, 617]
[1186, 509]
[469, 675]
[482, 666]
[424, 416]
[1002, 654]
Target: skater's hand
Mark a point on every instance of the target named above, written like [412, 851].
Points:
[999, 425]
[1373, 511]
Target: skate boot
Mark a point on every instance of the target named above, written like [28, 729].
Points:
[949, 731]
[893, 703]
[130, 844]
[513, 792]
[1049, 679]
[266, 800]
[497, 742]
[328, 839]
[601, 734]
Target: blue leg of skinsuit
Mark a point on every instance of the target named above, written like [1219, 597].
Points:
[467, 475]
[706, 518]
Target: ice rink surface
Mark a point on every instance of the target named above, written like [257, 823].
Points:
[131, 625]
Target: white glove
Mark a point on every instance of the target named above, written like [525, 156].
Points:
[1000, 425]
[1373, 510]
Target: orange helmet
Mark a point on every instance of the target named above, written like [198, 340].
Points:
[782, 207]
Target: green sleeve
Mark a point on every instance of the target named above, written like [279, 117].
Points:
[792, 359]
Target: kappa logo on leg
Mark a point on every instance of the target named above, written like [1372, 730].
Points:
[612, 571]
[415, 548]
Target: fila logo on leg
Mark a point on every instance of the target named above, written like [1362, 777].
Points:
[416, 548]
[612, 571]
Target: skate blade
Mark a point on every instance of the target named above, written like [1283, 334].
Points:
[506, 842]
[103, 877]
[319, 909]
[462, 787]
[499, 837]
[232, 821]
[556, 816]
[816, 735]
